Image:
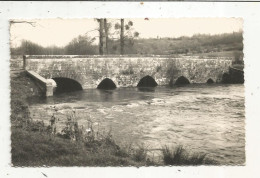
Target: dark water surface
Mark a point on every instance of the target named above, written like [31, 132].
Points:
[203, 118]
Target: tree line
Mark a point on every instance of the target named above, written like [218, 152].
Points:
[121, 38]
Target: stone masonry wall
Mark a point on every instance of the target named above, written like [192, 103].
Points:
[127, 71]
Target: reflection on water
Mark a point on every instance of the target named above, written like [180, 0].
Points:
[146, 89]
[204, 118]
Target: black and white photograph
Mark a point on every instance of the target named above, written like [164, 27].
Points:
[109, 92]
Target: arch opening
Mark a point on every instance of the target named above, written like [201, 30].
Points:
[210, 81]
[225, 78]
[147, 81]
[66, 85]
[182, 81]
[106, 84]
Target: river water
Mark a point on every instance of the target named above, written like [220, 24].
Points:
[203, 118]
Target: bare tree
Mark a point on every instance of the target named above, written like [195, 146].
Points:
[106, 26]
[101, 35]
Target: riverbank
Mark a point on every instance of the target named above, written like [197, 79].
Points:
[34, 145]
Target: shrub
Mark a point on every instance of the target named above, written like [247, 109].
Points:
[140, 153]
[72, 130]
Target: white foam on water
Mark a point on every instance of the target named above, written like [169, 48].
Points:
[102, 111]
[117, 108]
[132, 105]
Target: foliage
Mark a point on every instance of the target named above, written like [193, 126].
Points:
[81, 45]
[191, 45]
[30, 48]
[224, 45]
[71, 130]
[36, 145]
[127, 38]
[39, 149]
[179, 156]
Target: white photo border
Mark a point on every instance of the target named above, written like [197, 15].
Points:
[248, 11]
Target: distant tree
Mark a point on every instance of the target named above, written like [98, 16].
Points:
[82, 45]
[30, 48]
[27, 48]
[54, 50]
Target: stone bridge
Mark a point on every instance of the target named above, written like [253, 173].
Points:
[127, 71]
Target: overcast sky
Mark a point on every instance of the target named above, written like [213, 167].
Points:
[59, 32]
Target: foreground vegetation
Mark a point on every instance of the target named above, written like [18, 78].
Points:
[32, 148]
[180, 156]
[37, 144]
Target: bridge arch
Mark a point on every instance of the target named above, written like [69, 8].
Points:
[106, 84]
[225, 78]
[147, 81]
[64, 84]
[210, 81]
[182, 81]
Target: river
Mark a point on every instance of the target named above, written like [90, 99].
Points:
[203, 118]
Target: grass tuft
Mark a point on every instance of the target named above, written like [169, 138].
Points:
[179, 156]
[140, 153]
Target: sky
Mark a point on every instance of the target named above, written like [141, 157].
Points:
[59, 32]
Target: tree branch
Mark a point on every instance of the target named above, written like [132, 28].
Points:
[30, 23]
[91, 31]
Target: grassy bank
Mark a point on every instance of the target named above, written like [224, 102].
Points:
[36, 144]
[22, 87]
[37, 149]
